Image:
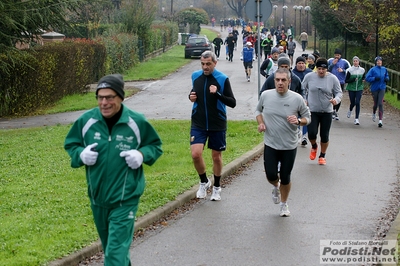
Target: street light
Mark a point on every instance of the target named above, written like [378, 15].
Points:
[275, 7]
[224, 12]
[376, 2]
[300, 8]
[284, 14]
[163, 13]
[307, 9]
[295, 21]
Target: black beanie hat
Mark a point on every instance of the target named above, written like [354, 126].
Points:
[114, 82]
[284, 60]
[338, 51]
[300, 59]
[321, 62]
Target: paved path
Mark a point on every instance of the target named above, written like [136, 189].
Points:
[349, 198]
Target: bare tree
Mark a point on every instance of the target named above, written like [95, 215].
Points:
[237, 6]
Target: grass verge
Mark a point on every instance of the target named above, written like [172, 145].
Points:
[77, 102]
[392, 100]
[43, 201]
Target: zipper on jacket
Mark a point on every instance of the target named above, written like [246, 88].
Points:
[91, 186]
[123, 187]
[205, 100]
[108, 163]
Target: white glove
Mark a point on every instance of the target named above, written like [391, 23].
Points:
[89, 154]
[133, 158]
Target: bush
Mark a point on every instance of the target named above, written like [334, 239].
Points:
[50, 72]
[122, 52]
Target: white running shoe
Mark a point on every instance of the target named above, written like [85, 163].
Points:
[216, 194]
[202, 192]
[304, 142]
[299, 133]
[348, 114]
[373, 117]
[284, 210]
[356, 122]
[276, 195]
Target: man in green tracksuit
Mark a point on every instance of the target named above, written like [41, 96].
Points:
[113, 142]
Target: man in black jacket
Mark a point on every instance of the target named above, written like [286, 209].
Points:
[295, 85]
[218, 42]
[211, 93]
[230, 42]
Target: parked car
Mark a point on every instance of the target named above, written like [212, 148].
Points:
[196, 45]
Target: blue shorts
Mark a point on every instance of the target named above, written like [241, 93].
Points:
[216, 139]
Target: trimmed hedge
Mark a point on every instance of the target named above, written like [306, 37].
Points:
[45, 74]
[51, 72]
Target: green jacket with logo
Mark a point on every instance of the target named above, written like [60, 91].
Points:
[354, 78]
[110, 181]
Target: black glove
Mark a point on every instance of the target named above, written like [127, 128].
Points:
[377, 78]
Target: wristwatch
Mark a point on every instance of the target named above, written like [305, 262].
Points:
[299, 120]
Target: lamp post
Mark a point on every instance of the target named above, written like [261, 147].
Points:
[376, 2]
[315, 39]
[295, 21]
[307, 9]
[300, 8]
[163, 12]
[224, 12]
[275, 7]
[284, 15]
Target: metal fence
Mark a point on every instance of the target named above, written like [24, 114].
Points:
[393, 84]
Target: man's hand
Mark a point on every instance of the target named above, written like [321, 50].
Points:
[261, 127]
[133, 158]
[89, 154]
[292, 119]
[213, 89]
[192, 96]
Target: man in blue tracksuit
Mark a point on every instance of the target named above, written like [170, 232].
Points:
[248, 56]
[377, 77]
[337, 66]
[211, 93]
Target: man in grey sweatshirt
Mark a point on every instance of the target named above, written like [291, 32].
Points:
[277, 116]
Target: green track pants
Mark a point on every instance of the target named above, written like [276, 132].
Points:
[115, 228]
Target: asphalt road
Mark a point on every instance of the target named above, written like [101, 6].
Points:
[351, 198]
